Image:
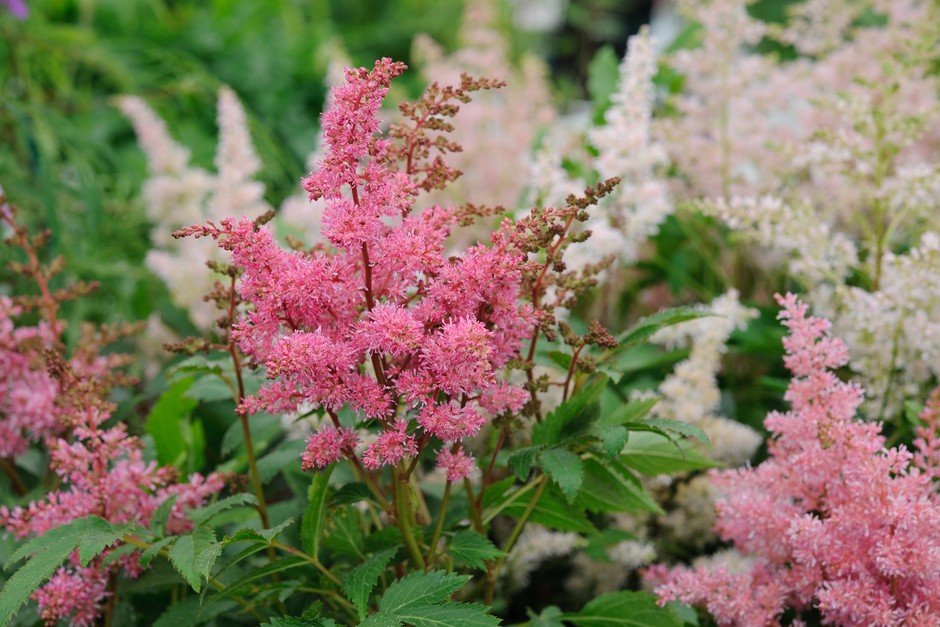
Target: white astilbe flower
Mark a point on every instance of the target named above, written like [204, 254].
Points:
[536, 545]
[626, 149]
[177, 194]
[691, 521]
[691, 393]
[794, 232]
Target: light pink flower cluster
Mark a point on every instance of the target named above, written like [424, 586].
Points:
[385, 324]
[832, 519]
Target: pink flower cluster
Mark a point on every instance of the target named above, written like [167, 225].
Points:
[833, 519]
[385, 324]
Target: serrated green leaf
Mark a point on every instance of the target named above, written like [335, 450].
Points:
[48, 553]
[649, 325]
[521, 461]
[448, 615]
[151, 551]
[161, 515]
[611, 488]
[681, 428]
[207, 549]
[182, 555]
[612, 439]
[204, 514]
[564, 468]
[633, 411]
[311, 525]
[358, 582]
[572, 417]
[381, 619]
[470, 548]
[263, 428]
[344, 532]
[95, 539]
[290, 621]
[653, 454]
[633, 609]
[421, 589]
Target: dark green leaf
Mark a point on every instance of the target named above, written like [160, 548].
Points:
[275, 461]
[649, 325]
[358, 582]
[344, 532]
[168, 423]
[565, 469]
[652, 455]
[311, 525]
[572, 417]
[611, 488]
[521, 461]
[448, 615]
[681, 428]
[281, 565]
[421, 589]
[633, 609]
[549, 617]
[470, 548]
[161, 515]
[351, 493]
[205, 514]
[151, 552]
[191, 611]
[552, 511]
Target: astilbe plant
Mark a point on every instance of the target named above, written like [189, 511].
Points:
[833, 520]
[384, 323]
[61, 402]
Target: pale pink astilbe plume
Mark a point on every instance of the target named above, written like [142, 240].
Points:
[832, 519]
[177, 194]
[450, 422]
[927, 455]
[457, 465]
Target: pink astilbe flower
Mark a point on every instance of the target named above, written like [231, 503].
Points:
[832, 519]
[78, 594]
[392, 446]
[385, 323]
[327, 446]
[457, 465]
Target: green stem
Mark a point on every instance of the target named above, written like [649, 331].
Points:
[439, 527]
[492, 572]
[18, 486]
[404, 507]
[475, 515]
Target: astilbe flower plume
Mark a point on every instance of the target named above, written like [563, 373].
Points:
[833, 519]
[384, 323]
[100, 470]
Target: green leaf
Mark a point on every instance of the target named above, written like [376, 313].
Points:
[344, 532]
[603, 77]
[381, 619]
[421, 589]
[203, 515]
[612, 439]
[161, 515]
[358, 582]
[311, 525]
[281, 565]
[151, 552]
[549, 617]
[634, 609]
[290, 621]
[629, 412]
[210, 388]
[264, 536]
[572, 417]
[681, 428]
[470, 548]
[552, 511]
[263, 428]
[521, 461]
[194, 555]
[169, 425]
[351, 493]
[653, 454]
[49, 551]
[448, 615]
[613, 488]
[191, 611]
[649, 325]
[275, 461]
[597, 544]
[565, 469]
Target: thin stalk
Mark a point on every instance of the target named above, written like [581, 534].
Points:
[439, 527]
[488, 475]
[365, 474]
[492, 572]
[108, 618]
[475, 515]
[18, 486]
[405, 510]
